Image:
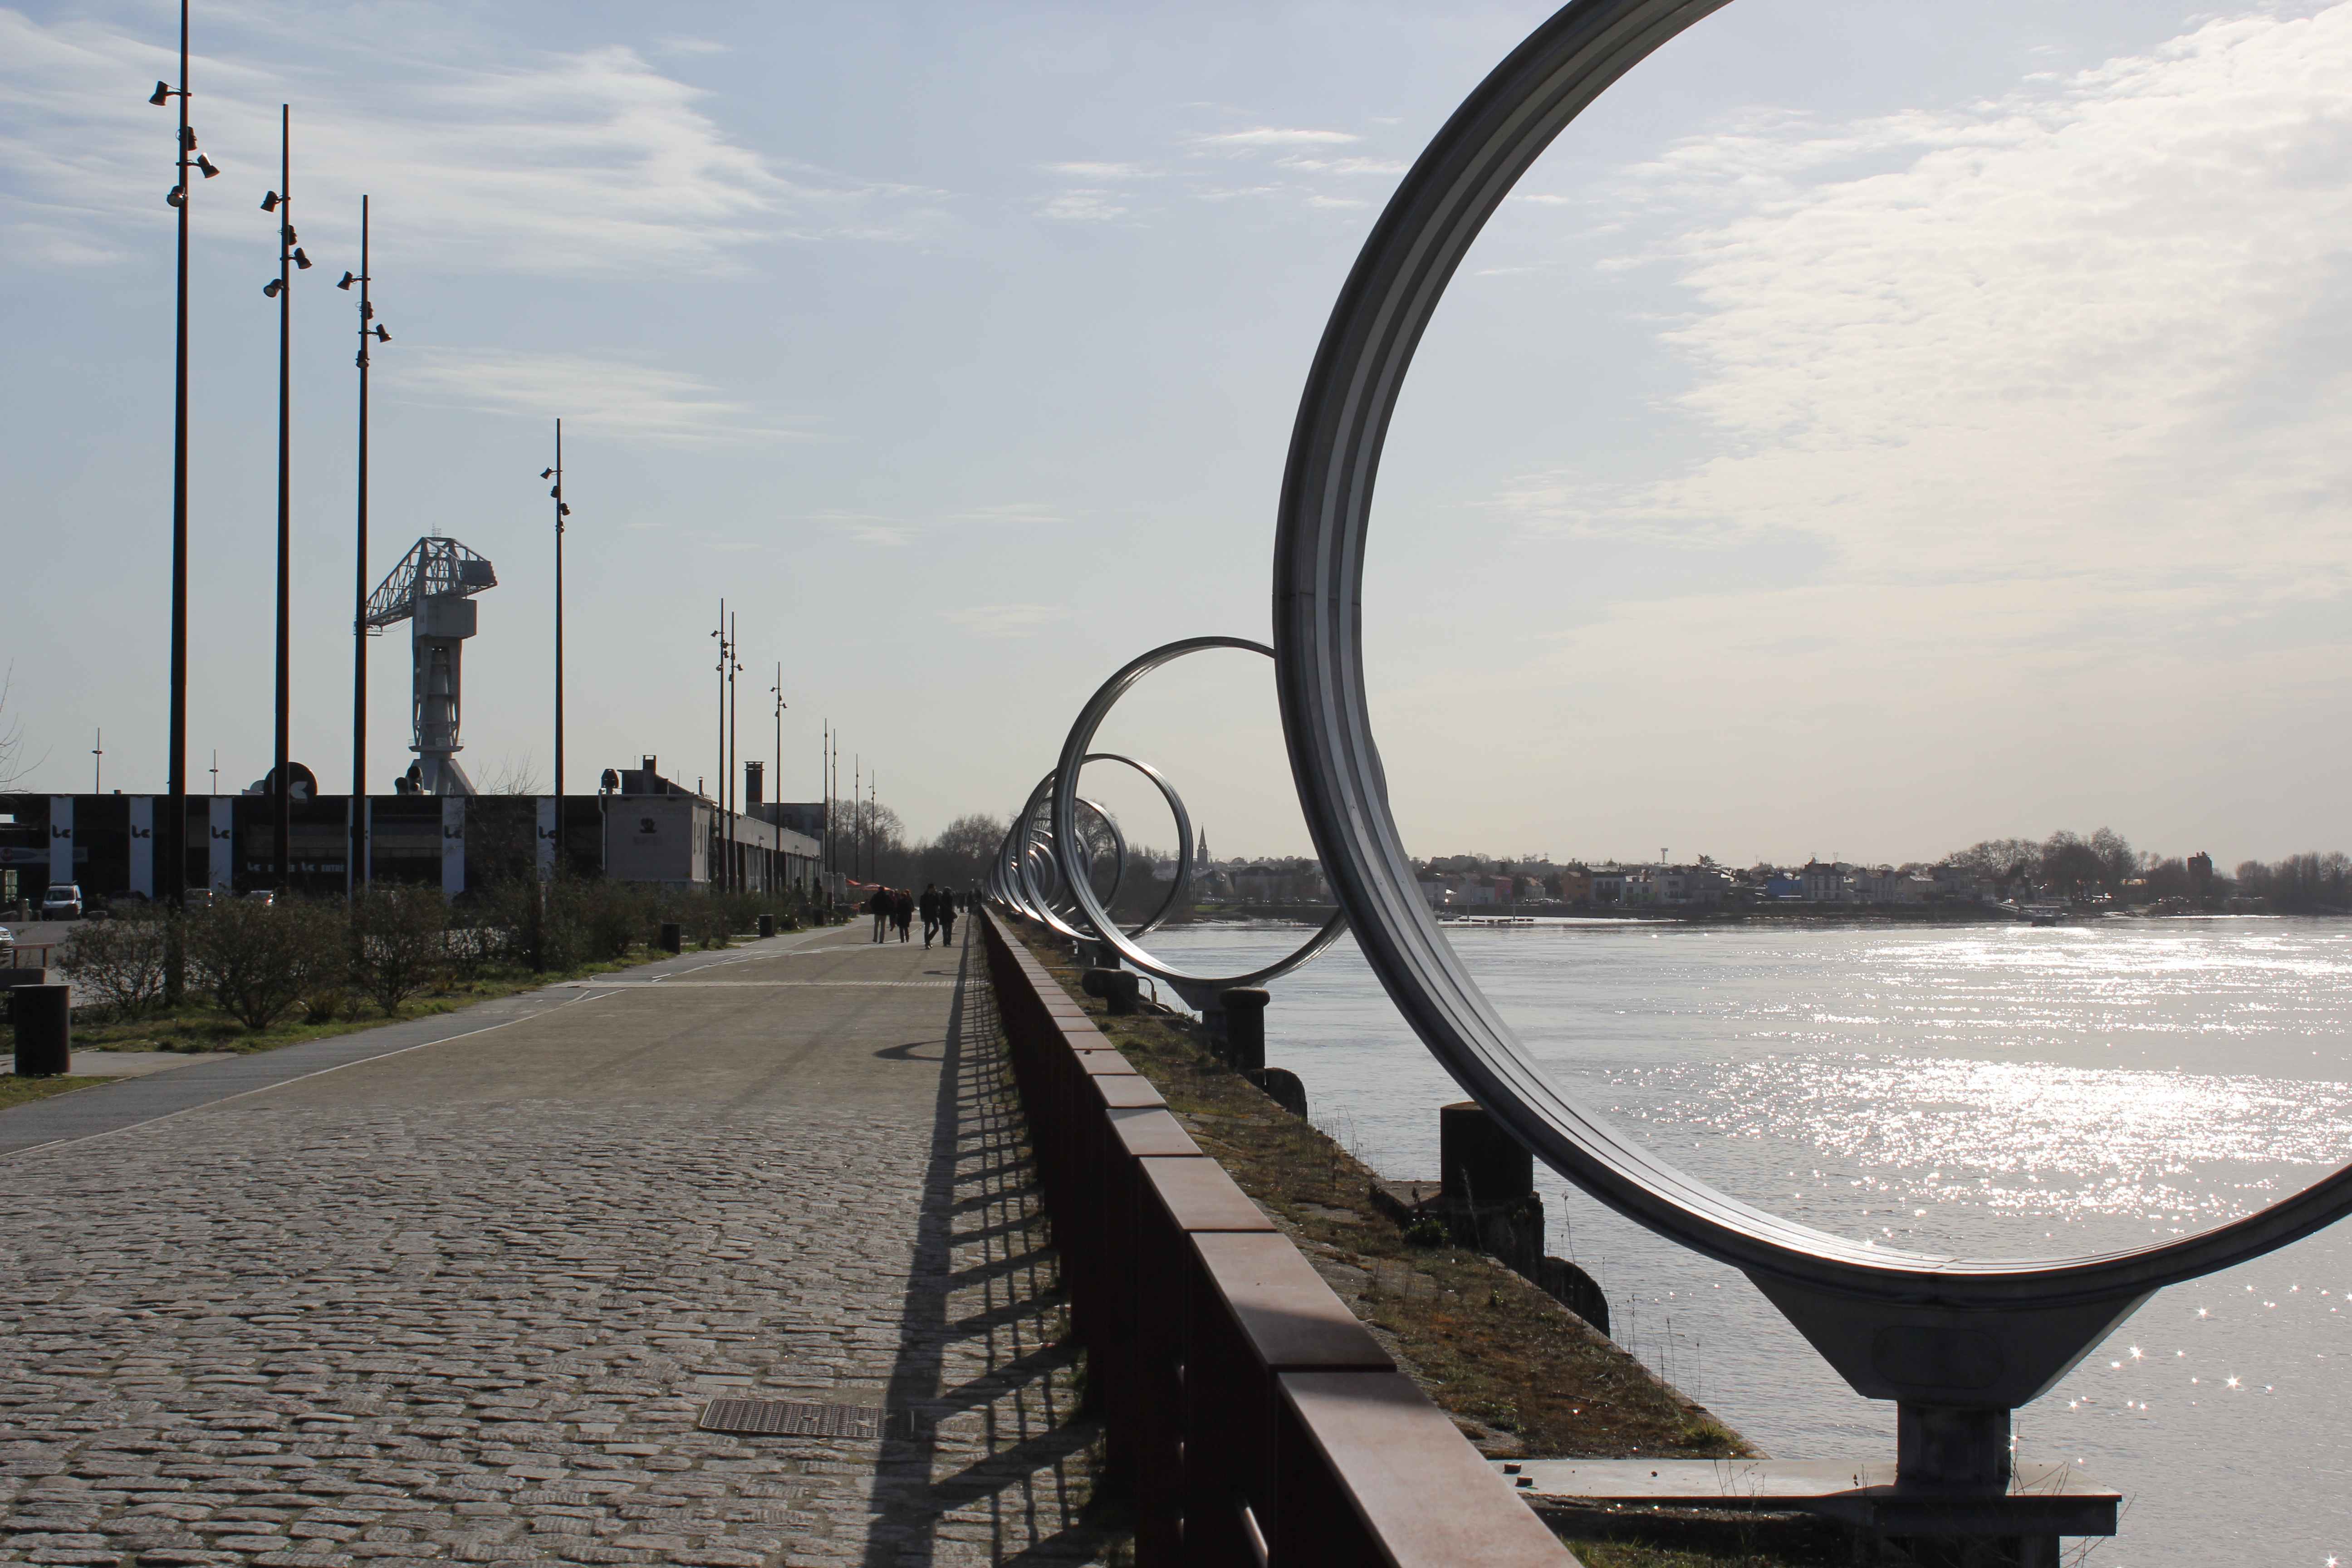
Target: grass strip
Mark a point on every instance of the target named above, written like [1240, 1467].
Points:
[15, 1090]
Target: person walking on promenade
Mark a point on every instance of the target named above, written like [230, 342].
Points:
[930, 905]
[947, 920]
[902, 910]
[879, 905]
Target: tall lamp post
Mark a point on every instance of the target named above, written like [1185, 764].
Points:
[776, 783]
[722, 833]
[735, 878]
[355, 874]
[282, 289]
[175, 845]
[555, 493]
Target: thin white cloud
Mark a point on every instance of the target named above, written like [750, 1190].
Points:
[1273, 136]
[1018, 511]
[867, 528]
[1083, 206]
[590, 162]
[616, 399]
[1380, 167]
[1085, 171]
[1006, 620]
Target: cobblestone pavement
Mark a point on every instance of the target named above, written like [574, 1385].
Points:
[466, 1305]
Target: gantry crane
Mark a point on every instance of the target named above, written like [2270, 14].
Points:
[435, 585]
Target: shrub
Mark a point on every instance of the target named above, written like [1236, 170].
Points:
[258, 960]
[326, 1007]
[1425, 1232]
[613, 918]
[401, 940]
[120, 962]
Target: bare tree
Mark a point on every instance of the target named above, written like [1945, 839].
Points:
[513, 777]
[12, 739]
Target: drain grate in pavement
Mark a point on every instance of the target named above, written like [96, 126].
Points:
[792, 1418]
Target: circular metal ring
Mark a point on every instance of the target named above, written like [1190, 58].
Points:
[1045, 872]
[1032, 894]
[1182, 881]
[1063, 781]
[2038, 1315]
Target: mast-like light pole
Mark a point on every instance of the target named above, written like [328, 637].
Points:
[735, 769]
[562, 510]
[175, 836]
[776, 790]
[721, 828]
[355, 875]
[280, 288]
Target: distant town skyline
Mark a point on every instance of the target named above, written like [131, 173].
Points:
[1866, 421]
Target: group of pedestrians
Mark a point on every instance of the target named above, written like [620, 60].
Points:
[895, 908]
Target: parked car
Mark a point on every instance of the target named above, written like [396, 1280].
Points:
[62, 901]
[265, 897]
[7, 941]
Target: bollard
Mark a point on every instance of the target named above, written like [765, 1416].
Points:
[767, 925]
[1244, 1009]
[43, 1019]
[1282, 1086]
[672, 938]
[1478, 1162]
[1575, 1289]
[1119, 991]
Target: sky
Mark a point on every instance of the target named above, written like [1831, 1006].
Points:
[1870, 428]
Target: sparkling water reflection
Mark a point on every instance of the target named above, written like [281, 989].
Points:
[2001, 1091]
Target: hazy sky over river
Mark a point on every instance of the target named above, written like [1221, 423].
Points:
[1874, 427]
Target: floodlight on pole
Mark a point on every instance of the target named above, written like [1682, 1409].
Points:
[356, 873]
[174, 867]
[289, 256]
[555, 493]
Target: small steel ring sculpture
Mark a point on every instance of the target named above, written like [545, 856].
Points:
[1042, 866]
[1196, 989]
[1182, 881]
[1953, 1339]
[1027, 857]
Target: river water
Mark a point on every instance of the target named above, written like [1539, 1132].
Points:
[1999, 1090]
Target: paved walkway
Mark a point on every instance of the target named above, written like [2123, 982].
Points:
[466, 1302]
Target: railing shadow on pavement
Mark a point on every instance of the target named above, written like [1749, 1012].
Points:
[988, 1452]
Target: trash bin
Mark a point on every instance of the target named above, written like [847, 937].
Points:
[767, 925]
[672, 939]
[43, 1019]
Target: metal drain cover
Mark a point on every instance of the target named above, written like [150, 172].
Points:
[792, 1418]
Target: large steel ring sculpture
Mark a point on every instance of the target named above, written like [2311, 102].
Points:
[1200, 989]
[1957, 1342]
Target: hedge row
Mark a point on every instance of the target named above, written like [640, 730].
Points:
[258, 960]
